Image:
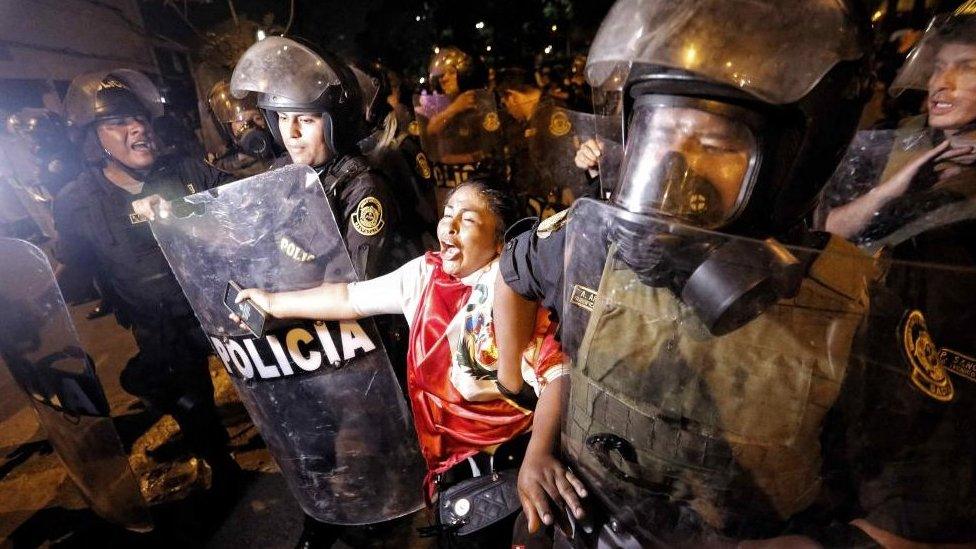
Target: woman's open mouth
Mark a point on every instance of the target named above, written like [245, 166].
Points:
[449, 252]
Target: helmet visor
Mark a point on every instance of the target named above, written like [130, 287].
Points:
[283, 68]
[685, 162]
[949, 44]
[776, 50]
[85, 100]
[228, 108]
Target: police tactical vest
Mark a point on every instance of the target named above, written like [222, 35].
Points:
[663, 414]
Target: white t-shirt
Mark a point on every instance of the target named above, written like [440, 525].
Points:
[470, 333]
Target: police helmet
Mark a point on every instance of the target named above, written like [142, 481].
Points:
[763, 95]
[291, 76]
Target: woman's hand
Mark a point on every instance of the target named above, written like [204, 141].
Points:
[542, 478]
[962, 142]
[464, 102]
[588, 156]
[263, 299]
[961, 154]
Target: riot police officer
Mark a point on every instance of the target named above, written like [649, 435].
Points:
[682, 422]
[315, 110]
[909, 193]
[391, 148]
[458, 124]
[317, 117]
[250, 146]
[542, 142]
[100, 233]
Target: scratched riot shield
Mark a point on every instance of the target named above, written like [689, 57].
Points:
[608, 122]
[915, 188]
[858, 380]
[460, 135]
[40, 348]
[552, 138]
[322, 394]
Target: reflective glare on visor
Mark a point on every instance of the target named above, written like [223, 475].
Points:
[686, 163]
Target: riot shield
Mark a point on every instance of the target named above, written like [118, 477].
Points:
[858, 385]
[40, 348]
[322, 394]
[609, 122]
[459, 135]
[553, 137]
[915, 188]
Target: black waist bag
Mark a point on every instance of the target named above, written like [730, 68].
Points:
[479, 502]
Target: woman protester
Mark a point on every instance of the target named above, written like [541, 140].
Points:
[472, 432]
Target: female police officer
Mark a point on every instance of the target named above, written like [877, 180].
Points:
[314, 108]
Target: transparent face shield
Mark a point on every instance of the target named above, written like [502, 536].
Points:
[229, 109]
[685, 162]
[949, 43]
[82, 96]
[776, 50]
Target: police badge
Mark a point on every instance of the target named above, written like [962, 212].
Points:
[368, 217]
[491, 122]
[559, 124]
[928, 373]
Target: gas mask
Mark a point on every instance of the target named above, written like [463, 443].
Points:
[689, 166]
[253, 140]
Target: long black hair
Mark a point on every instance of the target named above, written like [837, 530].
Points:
[501, 202]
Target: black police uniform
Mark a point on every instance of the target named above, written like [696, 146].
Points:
[365, 210]
[532, 263]
[412, 181]
[99, 233]
[368, 220]
[901, 444]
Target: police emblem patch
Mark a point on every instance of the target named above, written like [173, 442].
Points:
[413, 128]
[368, 217]
[423, 167]
[559, 124]
[928, 373]
[583, 297]
[491, 122]
[551, 224]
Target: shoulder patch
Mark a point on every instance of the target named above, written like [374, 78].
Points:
[928, 374]
[368, 217]
[552, 224]
[559, 124]
[423, 167]
[491, 122]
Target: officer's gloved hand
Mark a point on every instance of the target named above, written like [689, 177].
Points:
[726, 281]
